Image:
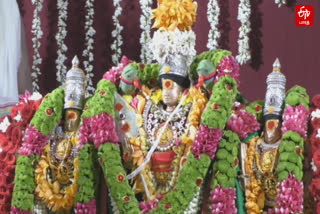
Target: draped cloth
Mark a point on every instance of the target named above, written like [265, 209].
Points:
[10, 51]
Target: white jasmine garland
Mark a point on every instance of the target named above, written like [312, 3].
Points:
[88, 51]
[62, 6]
[4, 125]
[213, 18]
[315, 114]
[194, 207]
[280, 2]
[166, 43]
[37, 32]
[145, 25]
[244, 12]
[116, 33]
[18, 117]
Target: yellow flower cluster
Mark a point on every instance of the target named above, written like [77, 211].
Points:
[254, 193]
[172, 14]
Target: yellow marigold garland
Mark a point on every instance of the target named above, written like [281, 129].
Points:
[254, 193]
[55, 199]
[172, 14]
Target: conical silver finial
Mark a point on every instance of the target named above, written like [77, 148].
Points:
[75, 61]
[276, 65]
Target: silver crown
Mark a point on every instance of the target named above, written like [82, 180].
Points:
[75, 87]
[276, 90]
[175, 64]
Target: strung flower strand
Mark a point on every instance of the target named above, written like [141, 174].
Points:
[280, 2]
[244, 12]
[62, 6]
[90, 32]
[145, 25]
[37, 32]
[213, 18]
[116, 33]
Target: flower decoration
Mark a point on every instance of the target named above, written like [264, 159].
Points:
[62, 6]
[223, 200]
[88, 208]
[244, 12]
[280, 2]
[172, 14]
[116, 33]
[213, 18]
[228, 66]
[114, 73]
[88, 51]
[37, 32]
[145, 25]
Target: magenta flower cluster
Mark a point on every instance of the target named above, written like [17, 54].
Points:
[206, 141]
[290, 196]
[33, 142]
[147, 206]
[114, 73]
[222, 200]
[16, 210]
[98, 129]
[86, 208]
[295, 119]
[228, 66]
[243, 123]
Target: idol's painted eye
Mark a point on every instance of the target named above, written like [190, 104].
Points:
[167, 84]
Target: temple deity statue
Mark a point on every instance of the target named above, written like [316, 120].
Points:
[272, 162]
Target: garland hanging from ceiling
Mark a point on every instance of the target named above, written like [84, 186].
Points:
[213, 18]
[116, 33]
[37, 32]
[88, 52]
[244, 12]
[280, 2]
[62, 6]
[145, 25]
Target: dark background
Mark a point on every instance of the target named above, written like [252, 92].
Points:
[274, 34]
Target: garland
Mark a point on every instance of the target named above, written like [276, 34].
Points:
[213, 18]
[62, 6]
[37, 32]
[280, 2]
[315, 150]
[244, 12]
[192, 174]
[145, 25]
[88, 52]
[12, 128]
[290, 165]
[116, 33]
[36, 137]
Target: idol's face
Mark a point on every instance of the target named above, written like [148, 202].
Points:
[171, 92]
[72, 120]
[272, 131]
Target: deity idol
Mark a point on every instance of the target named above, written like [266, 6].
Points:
[273, 162]
[56, 173]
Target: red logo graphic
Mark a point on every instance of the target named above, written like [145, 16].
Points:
[304, 15]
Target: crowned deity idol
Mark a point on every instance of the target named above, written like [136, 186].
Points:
[57, 172]
[263, 155]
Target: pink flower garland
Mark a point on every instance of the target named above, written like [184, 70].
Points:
[222, 200]
[98, 129]
[243, 123]
[33, 143]
[228, 66]
[16, 210]
[295, 119]
[290, 196]
[206, 141]
[151, 204]
[86, 208]
[115, 72]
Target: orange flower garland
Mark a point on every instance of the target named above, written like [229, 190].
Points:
[172, 14]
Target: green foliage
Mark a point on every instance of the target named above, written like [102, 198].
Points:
[101, 101]
[220, 104]
[44, 122]
[297, 95]
[88, 177]
[148, 73]
[256, 108]
[24, 184]
[110, 161]
[226, 163]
